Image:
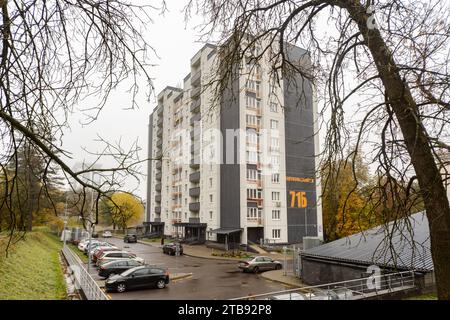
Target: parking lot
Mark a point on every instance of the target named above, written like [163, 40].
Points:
[211, 279]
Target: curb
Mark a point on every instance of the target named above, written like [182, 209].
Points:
[279, 281]
[183, 276]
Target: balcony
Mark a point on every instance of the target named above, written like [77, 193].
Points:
[158, 187]
[195, 148]
[195, 162]
[194, 177]
[159, 133]
[194, 206]
[254, 222]
[158, 198]
[157, 220]
[160, 110]
[158, 165]
[258, 183]
[194, 192]
[176, 221]
[195, 118]
[160, 122]
[194, 220]
[158, 154]
[158, 176]
[195, 106]
[158, 209]
[254, 202]
[196, 78]
[195, 92]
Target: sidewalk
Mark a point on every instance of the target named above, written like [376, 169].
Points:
[289, 279]
[201, 251]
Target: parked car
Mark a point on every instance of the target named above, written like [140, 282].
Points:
[106, 234]
[100, 250]
[117, 255]
[171, 248]
[138, 277]
[130, 238]
[94, 245]
[83, 244]
[117, 267]
[259, 263]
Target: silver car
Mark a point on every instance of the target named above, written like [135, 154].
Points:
[260, 263]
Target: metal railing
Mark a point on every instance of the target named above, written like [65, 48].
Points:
[83, 280]
[345, 290]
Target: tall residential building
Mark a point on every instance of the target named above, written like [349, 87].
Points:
[237, 167]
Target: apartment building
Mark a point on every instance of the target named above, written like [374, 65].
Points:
[237, 168]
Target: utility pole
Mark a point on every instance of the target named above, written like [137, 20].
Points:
[90, 225]
[65, 222]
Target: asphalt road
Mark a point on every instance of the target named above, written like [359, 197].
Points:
[211, 279]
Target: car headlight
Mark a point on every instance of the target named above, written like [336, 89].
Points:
[110, 280]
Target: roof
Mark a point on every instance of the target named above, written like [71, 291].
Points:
[225, 230]
[409, 247]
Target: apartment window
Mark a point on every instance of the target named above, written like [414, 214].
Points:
[276, 233]
[253, 85]
[274, 124]
[185, 216]
[252, 120]
[275, 160]
[273, 107]
[210, 215]
[252, 102]
[252, 174]
[252, 156]
[275, 214]
[274, 144]
[253, 213]
[275, 196]
[210, 198]
[254, 193]
[275, 177]
[252, 136]
[210, 182]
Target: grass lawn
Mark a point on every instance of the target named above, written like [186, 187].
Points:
[429, 296]
[32, 270]
[153, 240]
[79, 253]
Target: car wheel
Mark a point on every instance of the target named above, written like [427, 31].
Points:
[278, 267]
[121, 287]
[255, 269]
[161, 284]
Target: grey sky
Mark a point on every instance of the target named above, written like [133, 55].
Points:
[175, 43]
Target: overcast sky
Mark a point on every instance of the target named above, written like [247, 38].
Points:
[175, 43]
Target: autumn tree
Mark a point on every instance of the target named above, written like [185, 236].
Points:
[380, 70]
[123, 210]
[53, 54]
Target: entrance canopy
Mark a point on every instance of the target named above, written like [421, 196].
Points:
[154, 223]
[225, 230]
[190, 225]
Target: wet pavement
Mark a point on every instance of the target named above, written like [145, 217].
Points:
[211, 279]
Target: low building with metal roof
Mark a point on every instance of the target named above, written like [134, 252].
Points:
[397, 246]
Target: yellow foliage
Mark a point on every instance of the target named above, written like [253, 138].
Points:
[125, 209]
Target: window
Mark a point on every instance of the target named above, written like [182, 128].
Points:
[252, 120]
[251, 193]
[253, 213]
[252, 156]
[275, 214]
[210, 215]
[185, 215]
[274, 144]
[275, 196]
[253, 85]
[141, 272]
[273, 107]
[276, 233]
[252, 136]
[274, 124]
[275, 161]
[275, 177]
[210, 198]
[252, 174]
[252, 102]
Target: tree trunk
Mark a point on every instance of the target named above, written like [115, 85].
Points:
[406, 111]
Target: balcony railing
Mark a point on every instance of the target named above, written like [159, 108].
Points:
[159, 133]
[255, 221]
[195, 106]
[158, 164]
[158, 176]
[196, 78]
[158, 187]
[194, 192]
[194, 177]
[194, 206]
[195, 92]
[158, 209]
[158, 198]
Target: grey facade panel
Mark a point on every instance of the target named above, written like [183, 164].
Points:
[149, 168]
[230, 172]
[300, 161]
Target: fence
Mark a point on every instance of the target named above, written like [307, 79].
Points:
[345, 290]
[83, 279]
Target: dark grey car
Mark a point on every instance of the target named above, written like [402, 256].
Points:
[260, 263]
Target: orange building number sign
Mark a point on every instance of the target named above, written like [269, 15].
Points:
[298, 199]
